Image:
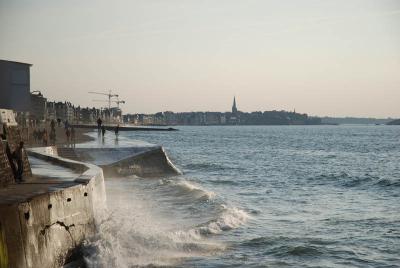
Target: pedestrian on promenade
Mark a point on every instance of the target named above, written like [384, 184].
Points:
[116, 130]
[39, 135]
[58, 122]
[35, 135]
[52, 124]
[68, 134]
[18, 156]
[45, 137]
[103, 130]
[66, 124]
[73, 135]
[99, 123]
[53, 136]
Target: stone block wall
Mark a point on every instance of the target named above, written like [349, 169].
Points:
[13, 139]
[6, 175]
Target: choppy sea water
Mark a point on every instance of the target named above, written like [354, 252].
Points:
[262, 196]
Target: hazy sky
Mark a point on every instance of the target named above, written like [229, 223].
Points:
[321, 57]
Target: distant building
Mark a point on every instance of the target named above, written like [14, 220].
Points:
[234, 118]
[213, 118]
[51, 110]
[234, 108]
[65, 111]
[15, 86]
[38, 109]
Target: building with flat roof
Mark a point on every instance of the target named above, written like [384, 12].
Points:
[15, 85]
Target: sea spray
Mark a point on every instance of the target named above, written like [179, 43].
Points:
[146, 227]
[183, 187]
[230, 218]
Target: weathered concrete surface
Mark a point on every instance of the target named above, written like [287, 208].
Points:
[44, 221]
[143, 161]
[149, 164]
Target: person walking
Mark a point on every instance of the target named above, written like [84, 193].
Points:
[53, 136]
[103, 130]
[68, 134]
[35, 135]
[52, 124]
[99, 123]
[66, 124]
[18, 156]
[45, 137]
[73, 135]
[116, 130]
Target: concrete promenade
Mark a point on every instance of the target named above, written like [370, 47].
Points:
[43, 221]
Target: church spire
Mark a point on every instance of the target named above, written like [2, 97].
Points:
[234, 109]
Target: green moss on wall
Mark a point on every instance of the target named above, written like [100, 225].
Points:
[3, 250]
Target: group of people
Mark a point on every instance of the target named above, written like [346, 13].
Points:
[45, 137]
[41, 136]
[102, 129]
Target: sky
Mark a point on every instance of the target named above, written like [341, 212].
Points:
[325, 58]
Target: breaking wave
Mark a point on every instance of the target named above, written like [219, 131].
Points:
[121, 244]
[230, 218]
[146, 227]
[184, 188]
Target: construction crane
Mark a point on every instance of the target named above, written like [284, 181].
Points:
[109, 95]
[118, 102]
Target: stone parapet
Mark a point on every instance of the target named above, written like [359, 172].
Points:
[6, 174]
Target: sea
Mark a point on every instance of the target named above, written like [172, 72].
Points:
[257, 196]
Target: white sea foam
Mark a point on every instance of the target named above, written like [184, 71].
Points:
[230, 218]
[189, 188]
[137, 233]
[126, 245]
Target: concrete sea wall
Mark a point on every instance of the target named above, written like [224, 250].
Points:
[46, 228]
[152, 163]
[143, 161]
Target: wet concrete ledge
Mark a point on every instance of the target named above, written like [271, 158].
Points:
[44, 224]
[142, 161]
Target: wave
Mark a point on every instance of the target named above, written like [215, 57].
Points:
[209, 166]
[225, 217]
[344, 179]
[205, 166]
[388, 183]
[151, 224]
[224, 182]
[184, 188]
[123, 244]
[279, 240]
[230, 218]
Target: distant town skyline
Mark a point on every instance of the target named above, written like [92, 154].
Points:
[323, 58]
